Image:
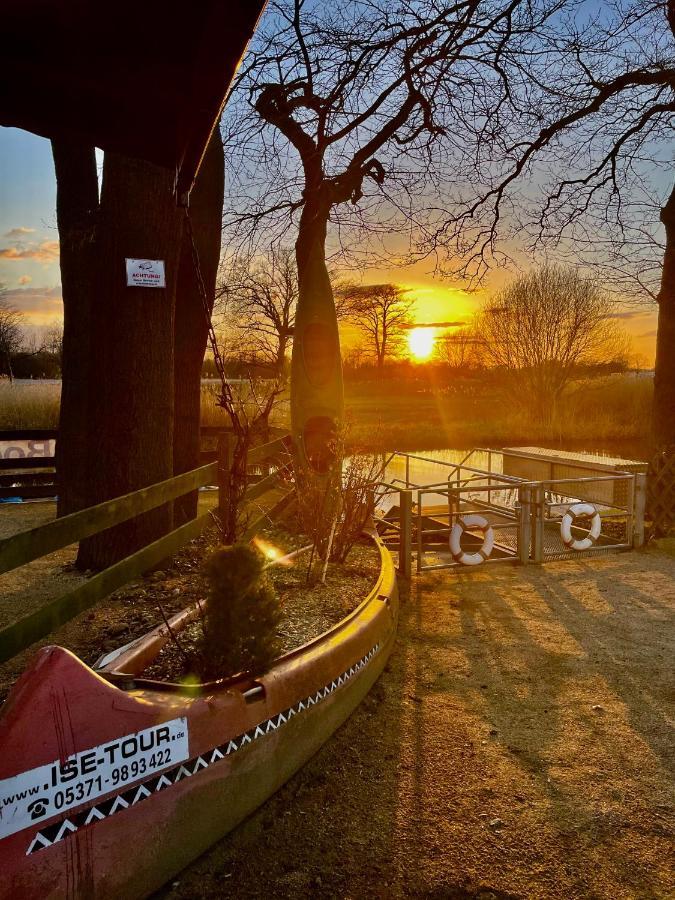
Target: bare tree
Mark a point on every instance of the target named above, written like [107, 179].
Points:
[382, 313]
[541, 328]
[594, 128]
[10, 332]
[461, 350]
[249, 409]
[131, 370]
[52, 342]
[352, 115]
[259, 298]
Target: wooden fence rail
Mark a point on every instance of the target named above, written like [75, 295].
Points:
[37, 542]
[34, 476]
[26, 546]
[41, 622]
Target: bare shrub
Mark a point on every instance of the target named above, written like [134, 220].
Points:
[359, 475]
[334, 536]
[249, 410]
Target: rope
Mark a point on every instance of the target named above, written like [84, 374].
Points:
[226, 390]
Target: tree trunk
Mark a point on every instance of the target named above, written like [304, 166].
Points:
[191, 333]
[131, 369]
[76, 216]
[382, 350]
[317, 399]
[664, 376]
[280, 361]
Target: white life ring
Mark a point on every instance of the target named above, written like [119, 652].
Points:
[458, 529]
[580, 509]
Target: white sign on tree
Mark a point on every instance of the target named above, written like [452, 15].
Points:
[145, 273]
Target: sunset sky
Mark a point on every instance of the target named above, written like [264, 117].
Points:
[29, 260]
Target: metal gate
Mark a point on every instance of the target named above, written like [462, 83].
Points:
[483, 516]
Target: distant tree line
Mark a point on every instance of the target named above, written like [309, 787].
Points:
[26, 354]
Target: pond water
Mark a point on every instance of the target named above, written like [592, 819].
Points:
[430, 467]
[434, 467]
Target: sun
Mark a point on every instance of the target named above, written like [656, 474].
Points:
[421, 342]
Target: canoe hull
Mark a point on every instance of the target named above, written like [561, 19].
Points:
[231, 750]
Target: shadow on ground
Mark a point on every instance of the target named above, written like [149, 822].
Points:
[518, 745]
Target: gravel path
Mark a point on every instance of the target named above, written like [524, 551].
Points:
[519, 744]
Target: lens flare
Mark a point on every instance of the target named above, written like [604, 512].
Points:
[271, 553]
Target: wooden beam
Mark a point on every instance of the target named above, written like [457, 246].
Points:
[29, 491]
[27, 462]
[8, 479]
[265, 451]
[29, 434]
[29, 545]
[282, 505]
[21, 634]
[261, 487]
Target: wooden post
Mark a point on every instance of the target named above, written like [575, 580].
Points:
[405, 538]
[639, 504]
[538, 524]
[224, 466]
[420, 542]
[524, 524]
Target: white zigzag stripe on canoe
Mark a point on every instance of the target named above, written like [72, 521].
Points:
[103, 809]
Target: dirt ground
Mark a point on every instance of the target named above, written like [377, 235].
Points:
[519, 744]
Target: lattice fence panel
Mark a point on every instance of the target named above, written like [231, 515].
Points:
[661, 491]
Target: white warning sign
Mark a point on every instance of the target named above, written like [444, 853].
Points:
[145, 273]
[41, 793]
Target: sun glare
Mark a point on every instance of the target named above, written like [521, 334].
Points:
[421, 342]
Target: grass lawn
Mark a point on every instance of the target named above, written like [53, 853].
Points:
[609, 413]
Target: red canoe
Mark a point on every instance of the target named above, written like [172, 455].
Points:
[108, 790]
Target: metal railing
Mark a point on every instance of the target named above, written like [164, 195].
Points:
[558, 504]
[483, 515]
[474, 529]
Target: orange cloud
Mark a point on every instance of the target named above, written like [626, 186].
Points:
[46, 252]
[458, 324]
[19, 232]
[38, 305]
